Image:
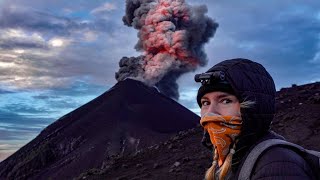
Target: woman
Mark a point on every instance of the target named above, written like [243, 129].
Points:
[237, 101]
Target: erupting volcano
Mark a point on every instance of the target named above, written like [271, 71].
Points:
[130, 117]
[171, 36]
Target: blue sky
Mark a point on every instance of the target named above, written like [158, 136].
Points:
[57, 55]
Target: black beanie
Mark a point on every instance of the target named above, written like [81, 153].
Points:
[222, 86]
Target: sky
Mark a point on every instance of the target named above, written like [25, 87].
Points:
[55, 56]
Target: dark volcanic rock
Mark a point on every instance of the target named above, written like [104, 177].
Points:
[298, 118]
[301, 125]
[122, 121]
[179, 157]
[163, 163]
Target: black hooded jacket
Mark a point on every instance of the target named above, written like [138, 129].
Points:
[251, 82]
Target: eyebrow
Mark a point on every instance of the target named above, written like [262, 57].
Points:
[222, 96]
[218, 97]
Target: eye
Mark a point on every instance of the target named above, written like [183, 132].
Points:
[205, 102]
[226, 101]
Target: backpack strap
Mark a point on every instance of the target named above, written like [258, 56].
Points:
[247, 167]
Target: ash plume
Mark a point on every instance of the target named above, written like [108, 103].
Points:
[171, 36]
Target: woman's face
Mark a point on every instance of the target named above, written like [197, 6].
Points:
[220, 103]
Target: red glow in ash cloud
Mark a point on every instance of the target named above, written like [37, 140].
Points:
[171, 36]
[163, 44]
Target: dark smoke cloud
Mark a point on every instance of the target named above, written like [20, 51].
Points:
[168, 84]
[171, 36]
[130, 67]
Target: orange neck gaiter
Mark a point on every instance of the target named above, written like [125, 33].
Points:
[222, 130]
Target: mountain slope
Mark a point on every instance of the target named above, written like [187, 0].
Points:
[124, 120]
[183, 156]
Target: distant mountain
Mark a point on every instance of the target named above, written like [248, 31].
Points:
[183, 156]
[123, 121]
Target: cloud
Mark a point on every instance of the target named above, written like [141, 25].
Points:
[54, 66]
[316, 58]
[9, 146]
[15, 39]
[4, 91]
[41, 49]
[90, 36]
[281, 35]
[15, 121]
[64, 100]
[271, 36]
[106, 7]
[47, 103]
[5, 154]
[188, 100]
[45, 97]
[27, 109]
[21, 58]
[14, 16]
[17, 16]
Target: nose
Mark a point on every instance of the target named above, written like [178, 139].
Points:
[212, 109]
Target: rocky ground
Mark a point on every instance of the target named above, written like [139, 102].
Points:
[183, 156]
[113, 137]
